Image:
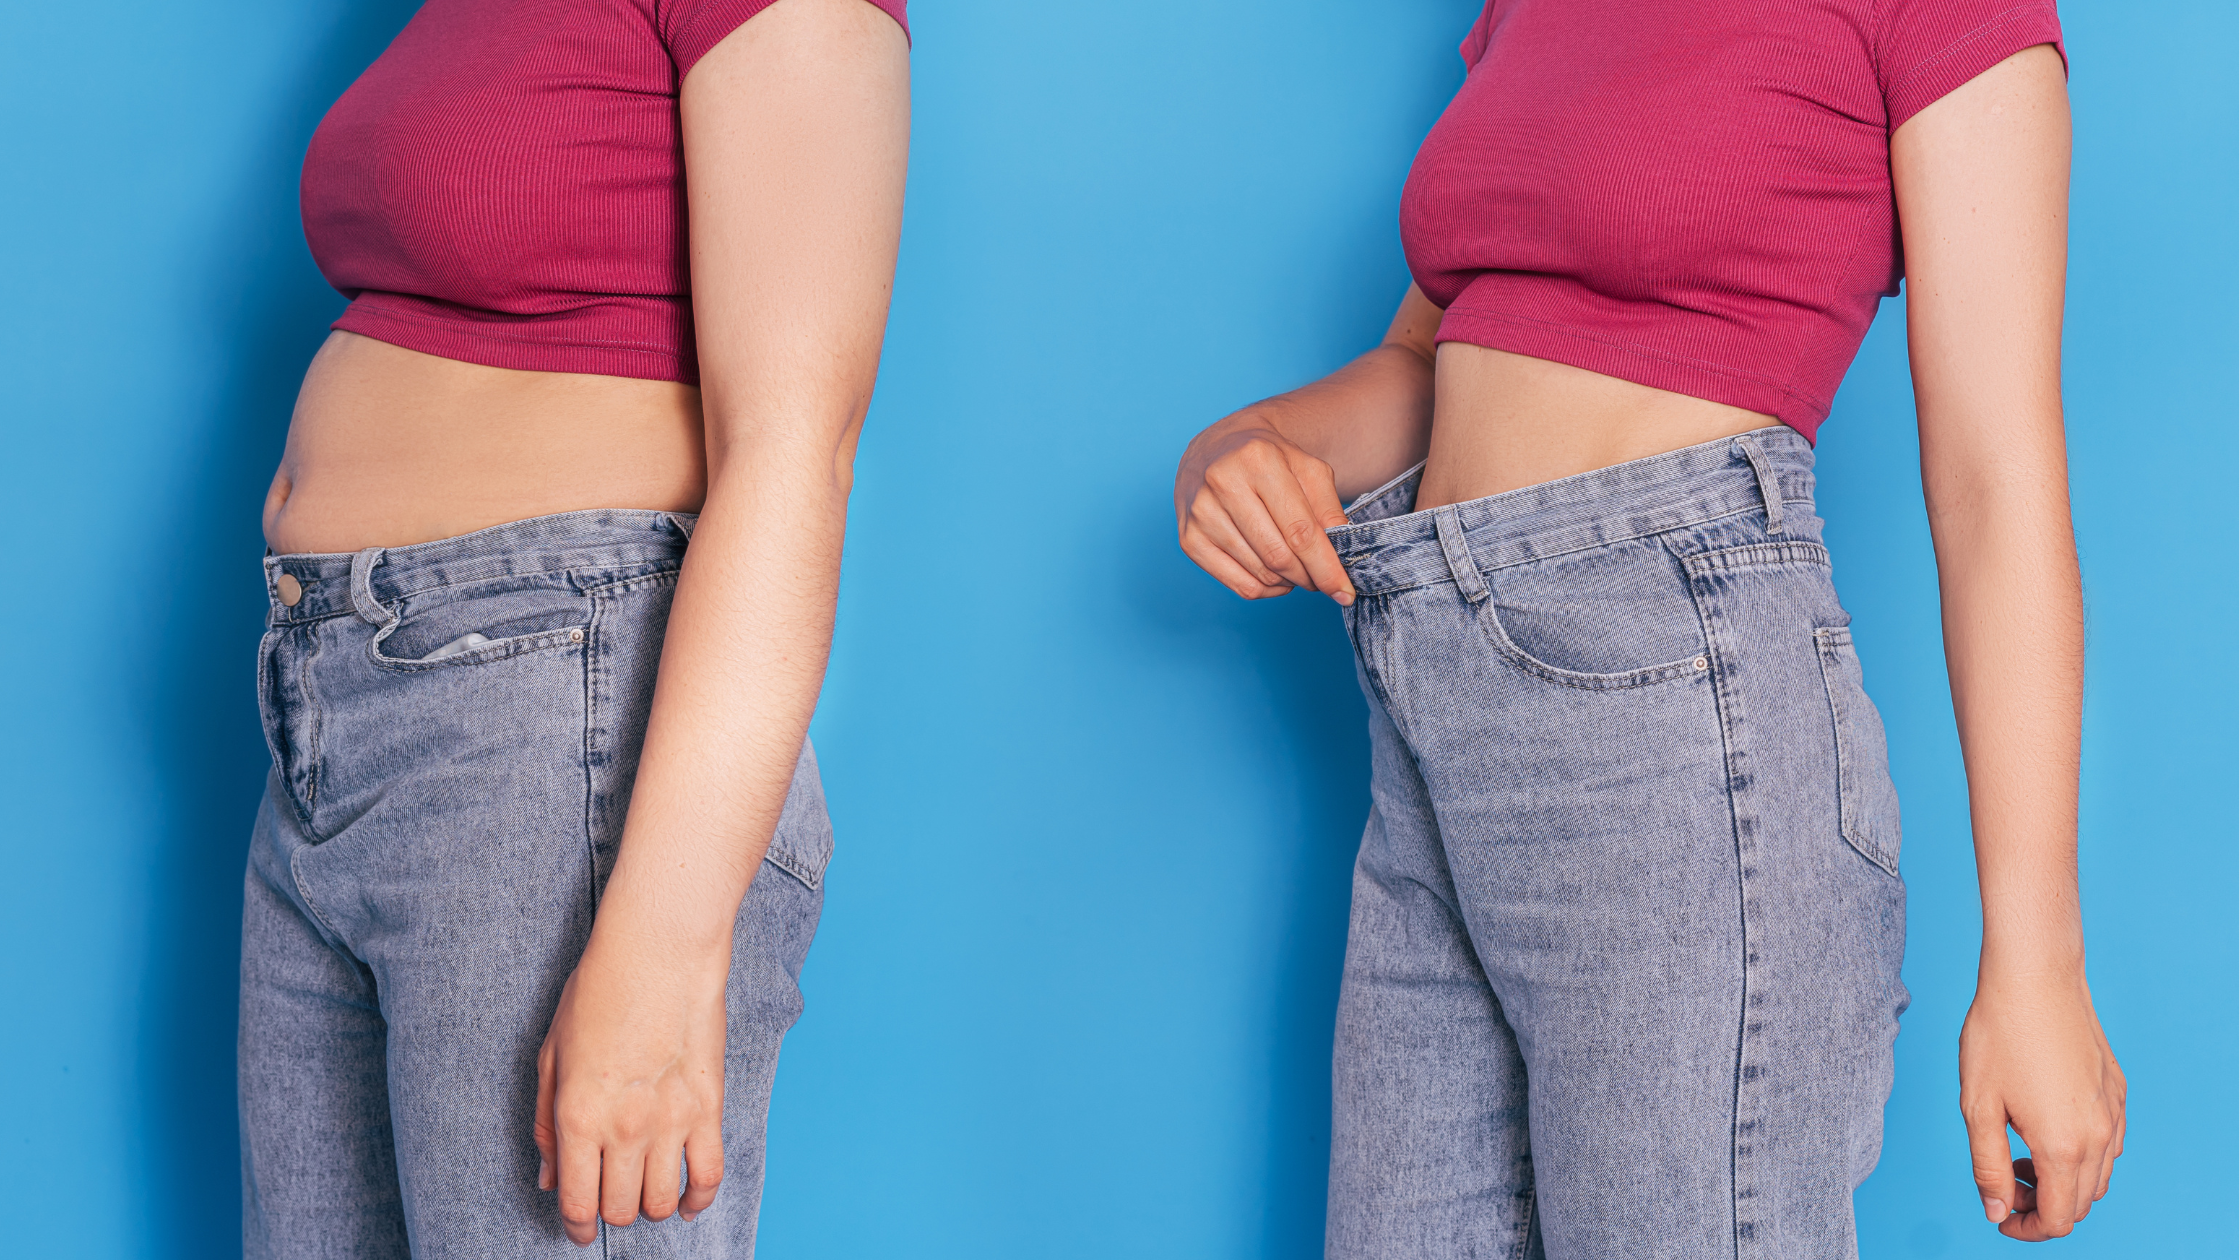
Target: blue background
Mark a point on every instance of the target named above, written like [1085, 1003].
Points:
[1074, 992]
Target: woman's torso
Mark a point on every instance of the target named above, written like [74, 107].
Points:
[501, 196]
[1656, 224]
[390, 447]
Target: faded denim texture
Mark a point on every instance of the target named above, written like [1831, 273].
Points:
[422, 879]
[1622, 975]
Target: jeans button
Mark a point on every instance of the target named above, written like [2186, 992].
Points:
[291, 591]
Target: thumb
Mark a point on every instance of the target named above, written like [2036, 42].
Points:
[1993, 1161]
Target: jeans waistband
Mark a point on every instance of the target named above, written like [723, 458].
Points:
[1385, 547]
[328, 584]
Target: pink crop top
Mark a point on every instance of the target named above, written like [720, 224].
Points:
[505, 184]
[1689, 194]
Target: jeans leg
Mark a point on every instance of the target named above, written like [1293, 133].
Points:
[318, 1159]
[1430, 1154]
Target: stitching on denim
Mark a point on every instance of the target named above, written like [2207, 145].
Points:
[616, 587]
[1601, 543]
[488, 653]
[308, 753]
[295, 876]
[1755, 556]
[1831, 642]
[1731, 759]
[1625, 680]
[793, 866]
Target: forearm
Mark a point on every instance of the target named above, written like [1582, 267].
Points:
[1369, 420]
[741, 666]
[2014, 646]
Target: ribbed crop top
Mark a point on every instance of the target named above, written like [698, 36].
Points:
[1690, 194]
[505, 184]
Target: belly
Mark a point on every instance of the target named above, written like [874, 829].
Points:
[1501, 421]
[390, 447]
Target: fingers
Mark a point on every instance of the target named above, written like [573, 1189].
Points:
[703, 1154]
[621, 1185]
[1260, 510]
[577, 1171]
[1317, 509]
[2061, 1194]
[663, 1183]
[1213, 541]
[1992, 1161]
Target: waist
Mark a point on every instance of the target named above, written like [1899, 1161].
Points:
[1388, 544]
[391, 447]
[1503, 420]
[305, 586]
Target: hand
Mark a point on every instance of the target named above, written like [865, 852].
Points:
[1251, 507]
[630, 1087]
[2032, 1055]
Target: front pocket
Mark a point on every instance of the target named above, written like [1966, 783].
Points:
[1866, 799]
[511, 617]
[1591, 618]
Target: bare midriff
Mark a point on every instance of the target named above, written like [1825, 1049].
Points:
[390, 447]
[1502, 421]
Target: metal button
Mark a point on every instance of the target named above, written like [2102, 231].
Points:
[291, 591]
[1703, 662]
[575, 636]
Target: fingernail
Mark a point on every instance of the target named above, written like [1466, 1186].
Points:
[544, 1174]
[691, 1216]
[1344, 598]
[1995, 1210]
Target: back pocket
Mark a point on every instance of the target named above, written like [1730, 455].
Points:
[1866, 799]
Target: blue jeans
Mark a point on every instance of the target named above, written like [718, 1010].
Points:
[1622, 974]
[442, 815]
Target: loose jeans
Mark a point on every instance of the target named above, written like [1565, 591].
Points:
[1622, 977]
[422, 879]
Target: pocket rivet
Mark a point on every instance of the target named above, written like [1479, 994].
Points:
[575, 636]
[1703, 662]
[291, 591]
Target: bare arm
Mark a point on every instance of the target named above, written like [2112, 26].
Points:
[796, 133]
[1982, 180]
[1256, 489]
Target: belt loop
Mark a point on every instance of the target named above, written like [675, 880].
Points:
[1466, 576]
[361, 588]
[1769, 484]
[684, 522]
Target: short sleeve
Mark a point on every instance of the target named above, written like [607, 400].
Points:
[1930, 47]
[692, 27]
[1481, 34]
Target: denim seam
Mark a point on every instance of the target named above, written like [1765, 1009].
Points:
[1725, 697]
[1627, 680]
[1598, 544]
[487, 654]
[289, 617]
[587, 757]
[619, 585]
[308, 754]
[793, 866]
[1754, 556]
[295, 876]
[1831, 641]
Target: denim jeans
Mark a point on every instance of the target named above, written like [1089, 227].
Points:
[440, 820]
[1622, 973]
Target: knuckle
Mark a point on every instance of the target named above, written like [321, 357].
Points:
[619, 1217]
[578, 1212]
